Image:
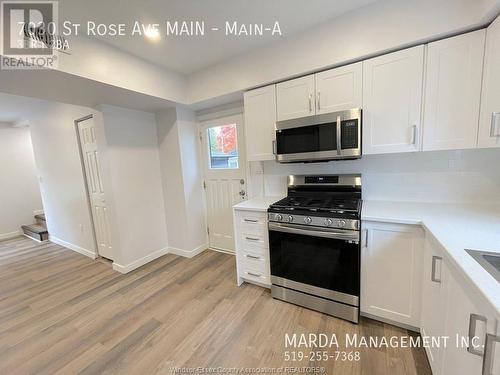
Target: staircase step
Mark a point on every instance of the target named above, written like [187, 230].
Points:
[36, 231]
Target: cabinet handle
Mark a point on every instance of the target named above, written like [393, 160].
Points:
[274, 148]
[310, 103]
[495, 121]
[319, 101]
[254, 274]
[252, 256]
[366, 238]
[489, 353]
[252, 239]
[414, 130]
[251, 220]
[472, 333]
[433, 272]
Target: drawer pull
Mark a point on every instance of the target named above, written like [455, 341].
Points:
[254, 274]
[472, 333]
[252, 239]
[251, 220]
[253, 257]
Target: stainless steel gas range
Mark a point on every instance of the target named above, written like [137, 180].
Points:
[314, 244]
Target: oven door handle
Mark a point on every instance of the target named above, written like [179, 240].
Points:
[347, 235]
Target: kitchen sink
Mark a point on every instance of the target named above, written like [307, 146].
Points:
[489, 261]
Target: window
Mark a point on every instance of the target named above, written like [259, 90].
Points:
[223, 147]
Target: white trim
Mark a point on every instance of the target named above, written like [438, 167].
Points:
[230, 252]
[6, 236]
[226, 110]
[390, 321]
[188, 253]
[70, 246]
[140, 262]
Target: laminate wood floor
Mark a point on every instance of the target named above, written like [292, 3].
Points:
[63, 313]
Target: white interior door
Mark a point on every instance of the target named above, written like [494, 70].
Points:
[95, 188]
[224, 167]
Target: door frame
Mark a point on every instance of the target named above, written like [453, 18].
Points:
[205, 122]
[85, 181]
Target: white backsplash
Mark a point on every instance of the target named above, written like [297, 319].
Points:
[461, 176]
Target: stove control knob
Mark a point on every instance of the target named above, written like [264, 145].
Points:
[278, 217]
[307, 220]
[290, 218]
[328, 222]
[342, 223]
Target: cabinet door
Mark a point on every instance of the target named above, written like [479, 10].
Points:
[391, 273]
[260, 119]
[452, 94]
[296, 98]
[434, 302]
[457, 359]
[489, 121]
[339, 89]
[392, 101]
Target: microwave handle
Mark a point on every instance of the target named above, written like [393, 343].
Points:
[339, 135]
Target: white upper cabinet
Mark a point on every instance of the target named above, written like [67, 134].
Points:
[391, 272]
[339, 89]
[392, 102]
[489, 123]
[296, 98]
[260, 119]
[452, 94]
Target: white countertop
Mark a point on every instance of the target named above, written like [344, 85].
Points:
[257, 204]
[456, 227]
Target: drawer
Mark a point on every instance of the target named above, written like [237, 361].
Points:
[251, 222]
[254, 242]
[255, 262]
[256, 276]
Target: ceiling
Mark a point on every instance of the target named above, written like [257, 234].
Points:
[187, 54]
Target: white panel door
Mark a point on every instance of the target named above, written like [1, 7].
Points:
[260, 119]
[93, 177]
[392, 102]
[339, 89]
[224, 167]
[296, 98]
[453, 90]
[489, 121]
[391, 272]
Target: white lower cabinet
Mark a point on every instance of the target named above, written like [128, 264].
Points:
[453, 310]
[391, 272]
[252, 247]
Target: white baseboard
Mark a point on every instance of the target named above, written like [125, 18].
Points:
[70, 246]
[140, 262]
[188, 253]
[6, 236]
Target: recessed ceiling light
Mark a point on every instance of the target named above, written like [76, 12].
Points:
[152, 33]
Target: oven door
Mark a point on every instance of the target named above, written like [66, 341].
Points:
[323, 262]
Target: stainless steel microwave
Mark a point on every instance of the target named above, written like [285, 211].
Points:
[330, 136]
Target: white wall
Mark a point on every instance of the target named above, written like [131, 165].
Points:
[442, 176]
[62, 184]
[133, 163]
[182, 181]
[19, 190]
[374, 29]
